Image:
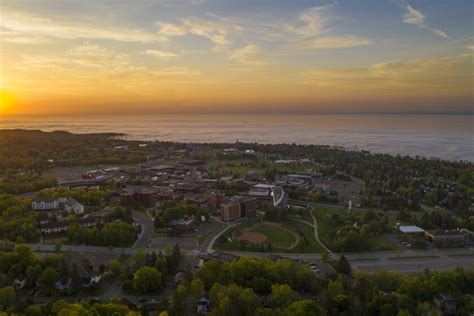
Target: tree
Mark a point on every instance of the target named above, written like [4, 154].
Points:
[173, 258]
[7, 297]
[196, 289]
[138, 260]
[209, 273]
[49, 277]
[148, 279]
[343, 266]
[282, 295]
[334, 289]
[303, 308]
[178, 301]
[33, 310]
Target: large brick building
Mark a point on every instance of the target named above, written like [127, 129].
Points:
[231, 211]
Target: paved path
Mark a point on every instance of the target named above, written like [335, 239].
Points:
[217, 234]
[315, 226]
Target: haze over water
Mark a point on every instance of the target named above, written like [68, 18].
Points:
[444, 136]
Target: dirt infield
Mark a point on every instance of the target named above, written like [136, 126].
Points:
[255, 235]
[251, 237]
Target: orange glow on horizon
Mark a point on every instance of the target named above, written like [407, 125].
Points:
[6, 102]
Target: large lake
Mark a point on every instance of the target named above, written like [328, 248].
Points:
[444, 136]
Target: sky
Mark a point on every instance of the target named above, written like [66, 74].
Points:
[218, 56]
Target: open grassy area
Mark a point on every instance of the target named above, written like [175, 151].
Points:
[242, 166]
[327, 229]
[379, 243]
[279, 237]
[308, 243]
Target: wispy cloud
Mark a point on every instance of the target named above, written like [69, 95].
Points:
[160, 54]
[176, 71]
[415, 17]
[170, 29]
[33, 27]
[314, 20]
[86, 57]
[313, 32]
[441, 73]
[246, 55]
[335, 42]
[215, 31]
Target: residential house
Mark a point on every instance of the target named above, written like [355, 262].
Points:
[203, 305]
[445, 303]
[63, 284]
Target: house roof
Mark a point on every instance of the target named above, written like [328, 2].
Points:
[411, 229]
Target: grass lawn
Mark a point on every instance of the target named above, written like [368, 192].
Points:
[278, 237]
[308, 243]
[242, 166]
[379, 243]
[327, 230]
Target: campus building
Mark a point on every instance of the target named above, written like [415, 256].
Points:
[447, 237]
[231, 211]
[248, 207]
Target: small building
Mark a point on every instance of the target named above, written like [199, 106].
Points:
[45, 204]
[251, 175]
[19, 283]
[447, 237]
[67, 204]
[72, 206]
[203, 305]
[445, 303]
[410, 230]
[63, 284]
[90, 281]
[182, 224]
[62, 227]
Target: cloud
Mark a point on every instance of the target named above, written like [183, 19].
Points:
[433, 74]
[471, 47]
[176, 71]
[440, 33]
[85, 58]
[335, 42]
[170, 29]
[415, 17]
[216, 32]
[314, 20]
[246, 55]
[33, 27]
[160, 54]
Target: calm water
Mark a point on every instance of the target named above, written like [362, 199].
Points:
[444, 136]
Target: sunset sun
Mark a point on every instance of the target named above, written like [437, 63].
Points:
[6, 101]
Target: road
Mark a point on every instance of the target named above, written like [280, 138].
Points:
[142, 219]
[434, 259]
